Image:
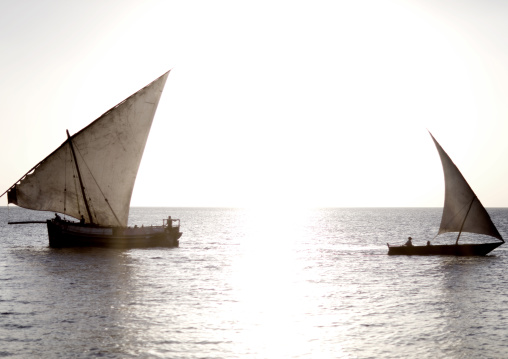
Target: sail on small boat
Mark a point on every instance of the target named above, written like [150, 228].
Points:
[462, 212]
[91, 176]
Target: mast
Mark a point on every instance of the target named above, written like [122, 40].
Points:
[464, 221]
[69, 139]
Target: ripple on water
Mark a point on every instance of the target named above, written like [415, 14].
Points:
[246, 284]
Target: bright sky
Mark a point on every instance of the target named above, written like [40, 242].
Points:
[301, 103]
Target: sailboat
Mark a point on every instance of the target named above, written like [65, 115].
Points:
[462, 212]
[91, 176]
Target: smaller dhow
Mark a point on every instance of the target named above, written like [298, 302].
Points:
[462, 212]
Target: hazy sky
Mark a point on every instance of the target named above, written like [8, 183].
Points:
[300, 103]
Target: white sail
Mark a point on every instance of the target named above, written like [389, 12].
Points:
[462, 210]
[108, 154]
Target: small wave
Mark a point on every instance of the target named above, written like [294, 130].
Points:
[17, 326]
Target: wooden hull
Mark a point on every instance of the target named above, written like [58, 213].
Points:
[69, 234]
[451, 250]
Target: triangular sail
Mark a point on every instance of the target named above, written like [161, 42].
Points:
[108, 154]
[462, 210]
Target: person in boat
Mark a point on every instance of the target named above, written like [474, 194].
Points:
[428, 243]
[409, 242]
[57, 217]
[82, 220]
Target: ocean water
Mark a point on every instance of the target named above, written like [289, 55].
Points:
[266, 283]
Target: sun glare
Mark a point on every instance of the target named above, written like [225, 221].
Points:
[267, 278]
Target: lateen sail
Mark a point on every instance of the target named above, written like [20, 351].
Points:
[462, 210]
[108, 154]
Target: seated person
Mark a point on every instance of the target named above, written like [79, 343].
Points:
[409, 243]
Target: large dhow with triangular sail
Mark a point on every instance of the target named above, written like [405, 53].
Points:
[91, 177]
[462, 212]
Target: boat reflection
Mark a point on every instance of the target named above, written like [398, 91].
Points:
[82, 299]
[468, 296]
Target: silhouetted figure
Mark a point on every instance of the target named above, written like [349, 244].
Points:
[57, 217]
[82, 220]
[409, 243]
[428, 243]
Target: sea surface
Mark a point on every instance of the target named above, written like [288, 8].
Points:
[245, 283]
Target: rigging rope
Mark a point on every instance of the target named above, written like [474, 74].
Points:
[97, 184]
[458, 212]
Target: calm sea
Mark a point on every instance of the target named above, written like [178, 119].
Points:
[261, 283]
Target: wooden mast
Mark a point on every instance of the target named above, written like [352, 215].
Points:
[69, 139]
[464, 221]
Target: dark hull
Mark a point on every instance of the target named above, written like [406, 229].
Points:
[69, 234]
[450, 250]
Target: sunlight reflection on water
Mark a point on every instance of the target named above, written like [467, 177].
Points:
[269, 291]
